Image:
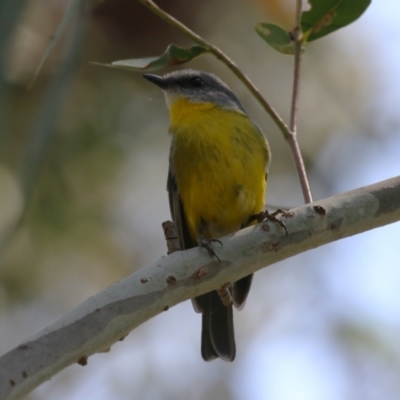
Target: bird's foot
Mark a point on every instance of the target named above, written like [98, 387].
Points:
[267, 216]
[225, 294]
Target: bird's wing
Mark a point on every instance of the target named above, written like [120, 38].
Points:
[177, 212]
[178, 216]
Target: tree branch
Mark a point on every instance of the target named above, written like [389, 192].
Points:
[110, 315]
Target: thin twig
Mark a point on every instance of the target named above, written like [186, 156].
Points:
[296, 35]
[225, 59]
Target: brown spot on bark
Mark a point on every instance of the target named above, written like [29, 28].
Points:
[144, 280]
[83, 360]
[200, 273]
[319, 210]
[274, 246]
[171, 280]
[24, 374]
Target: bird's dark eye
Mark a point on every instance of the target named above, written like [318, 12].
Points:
[197, 82]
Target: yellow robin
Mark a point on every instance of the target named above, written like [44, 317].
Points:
[216, 182]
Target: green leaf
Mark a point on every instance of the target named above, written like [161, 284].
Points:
[327, 16]
[276, 37]
[174, 55]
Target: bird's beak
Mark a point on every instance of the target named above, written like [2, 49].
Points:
[158, 80]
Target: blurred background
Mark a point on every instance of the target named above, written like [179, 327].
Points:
[83, 167]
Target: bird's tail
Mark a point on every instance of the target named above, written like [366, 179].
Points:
[217, 336]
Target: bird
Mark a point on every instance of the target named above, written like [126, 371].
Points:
[218, 166]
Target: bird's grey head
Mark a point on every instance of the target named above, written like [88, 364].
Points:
[196, 86]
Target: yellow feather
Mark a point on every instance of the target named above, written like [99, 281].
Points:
[219, 158]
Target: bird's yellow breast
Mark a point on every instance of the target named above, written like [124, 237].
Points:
[219, 159]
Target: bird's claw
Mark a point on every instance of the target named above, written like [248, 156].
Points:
[206, 243]
[267, 216]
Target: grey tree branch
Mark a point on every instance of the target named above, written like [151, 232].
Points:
[108, 316]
